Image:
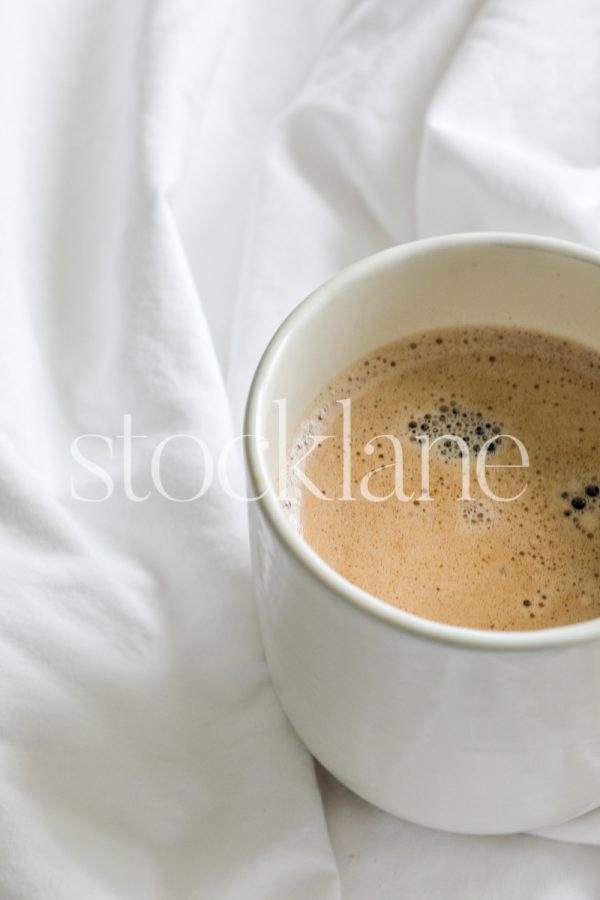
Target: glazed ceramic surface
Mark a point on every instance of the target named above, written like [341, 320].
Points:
[466, 730]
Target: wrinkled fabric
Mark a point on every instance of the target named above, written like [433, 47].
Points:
[175, 177]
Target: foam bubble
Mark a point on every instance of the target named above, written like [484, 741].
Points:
[474, 427]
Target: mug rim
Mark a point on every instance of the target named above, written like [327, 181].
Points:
[258, 473]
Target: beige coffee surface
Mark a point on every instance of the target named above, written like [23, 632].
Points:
[525, 564]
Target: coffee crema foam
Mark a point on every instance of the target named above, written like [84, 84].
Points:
[527, 564]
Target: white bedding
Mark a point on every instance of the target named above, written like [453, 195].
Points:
[175, 177]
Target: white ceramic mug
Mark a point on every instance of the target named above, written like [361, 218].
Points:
[462, 729]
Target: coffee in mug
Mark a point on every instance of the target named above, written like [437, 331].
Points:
[455, 474]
